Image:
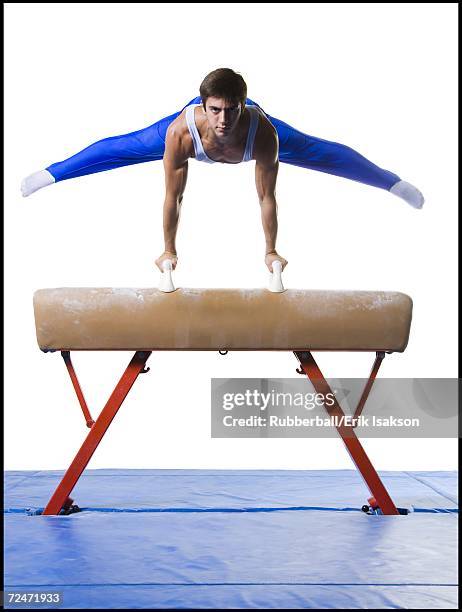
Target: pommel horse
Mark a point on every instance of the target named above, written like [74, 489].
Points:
[146, 320]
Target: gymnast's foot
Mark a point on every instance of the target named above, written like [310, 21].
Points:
[409, 193]
[36, 181]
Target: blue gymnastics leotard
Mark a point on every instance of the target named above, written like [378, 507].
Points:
[295, 147]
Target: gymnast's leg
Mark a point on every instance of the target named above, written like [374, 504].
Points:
[295, 148]
[137, 147]
[314, 153]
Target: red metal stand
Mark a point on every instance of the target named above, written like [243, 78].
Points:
[378, 491]
[60, 499]
[61, 502]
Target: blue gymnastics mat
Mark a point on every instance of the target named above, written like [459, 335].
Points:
[240, 539]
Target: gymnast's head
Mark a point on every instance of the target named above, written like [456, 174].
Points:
[223, 94]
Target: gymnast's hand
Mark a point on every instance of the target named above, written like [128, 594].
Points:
[167, 255]
[273, 256]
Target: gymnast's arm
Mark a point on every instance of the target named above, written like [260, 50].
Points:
[266, 171]
[176, 173]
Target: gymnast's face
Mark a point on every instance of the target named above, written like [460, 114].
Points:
[222, 116]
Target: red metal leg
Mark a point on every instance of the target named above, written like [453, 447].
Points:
[375, 368]
[75, 382]
[356, 451]
[60, 498]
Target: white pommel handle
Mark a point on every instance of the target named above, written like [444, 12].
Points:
[166, 284]
[275, 284]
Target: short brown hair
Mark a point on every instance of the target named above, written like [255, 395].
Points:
[224, 83]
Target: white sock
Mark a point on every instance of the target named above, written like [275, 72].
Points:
[36, 181]
[409, 193]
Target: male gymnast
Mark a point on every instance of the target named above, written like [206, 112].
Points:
[222, 125]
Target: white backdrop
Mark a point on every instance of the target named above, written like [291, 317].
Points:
[378, 77]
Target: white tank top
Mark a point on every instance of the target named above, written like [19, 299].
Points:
[201, 155]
